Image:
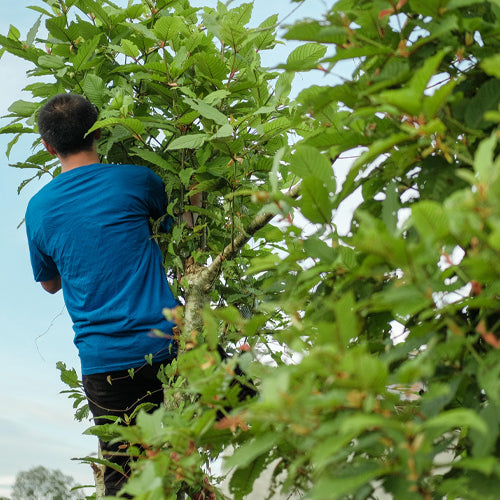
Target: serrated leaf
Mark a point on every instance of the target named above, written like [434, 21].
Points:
[129, 48]
[224, 131]
[51, 61]
[191, 141]
[101, 461]
[242, 480]
[132, 124]
[267, 37]
[315, 32]
[305, 57]
[409, 99]
[168, 27]
[309, 162]
[85, 52]
[211, 66]
[68, 376]
[434, 103]
[315, 203]
[95, 89]
[215, 97]
[30, 38]
[376, 149]
[185, 176]
[58, 29]
[207, 111]
[154, 158]
[97, 9]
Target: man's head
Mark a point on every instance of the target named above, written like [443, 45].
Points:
[63, 122]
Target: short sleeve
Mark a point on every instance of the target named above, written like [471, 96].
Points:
[44, 268]
[158, 201]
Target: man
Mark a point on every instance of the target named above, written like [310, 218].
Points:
[89, 234]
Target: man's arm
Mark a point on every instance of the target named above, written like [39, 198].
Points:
[53, 285]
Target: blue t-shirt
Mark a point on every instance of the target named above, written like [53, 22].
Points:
[90, 225]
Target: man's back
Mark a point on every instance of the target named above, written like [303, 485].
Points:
[90, 225]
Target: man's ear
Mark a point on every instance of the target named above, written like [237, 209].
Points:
[97, 134]
[49, 148]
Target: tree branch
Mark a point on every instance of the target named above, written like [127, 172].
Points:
[200, 280]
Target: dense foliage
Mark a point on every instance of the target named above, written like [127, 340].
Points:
[391, 326]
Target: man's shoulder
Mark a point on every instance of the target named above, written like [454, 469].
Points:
[39, 199]
[124, 169]
[140, 169]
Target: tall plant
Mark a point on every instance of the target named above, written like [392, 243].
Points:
[346, 409]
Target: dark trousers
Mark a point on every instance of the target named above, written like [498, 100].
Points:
[116, 393]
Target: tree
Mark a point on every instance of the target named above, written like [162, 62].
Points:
[358, 410]
[40, 483]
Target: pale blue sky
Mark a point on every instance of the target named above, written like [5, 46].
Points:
[36, 422]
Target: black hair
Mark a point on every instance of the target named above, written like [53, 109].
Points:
[63, 122]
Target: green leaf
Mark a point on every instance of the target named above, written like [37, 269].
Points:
[243, 479]
[224, 131]
[485, 465]
[23, 108]
[95, 89]
[169, 27]
[15, 128]
[267, 37]
[426, 7]
[390, 207]
[345, 318]
[185, 176]
[345, 486]
[129, 48]
[315, 203]
[309, 162]
[305, 57]
[430, 220]
[438, 99]
[487, 172]
[485, 99]
[154, 158]
[192, 141]
[409, 98]
[207, 111]
[376, 149]
[457, 418]
[68, 376]
[51, 61]
[99, 12]
[58, 29]
[30, 38]
[491, 65]
[132, 124]
[86, 50]
[249, 451]
[211, 66]
[315, 32]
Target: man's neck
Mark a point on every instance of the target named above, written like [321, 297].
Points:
[76, 160]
